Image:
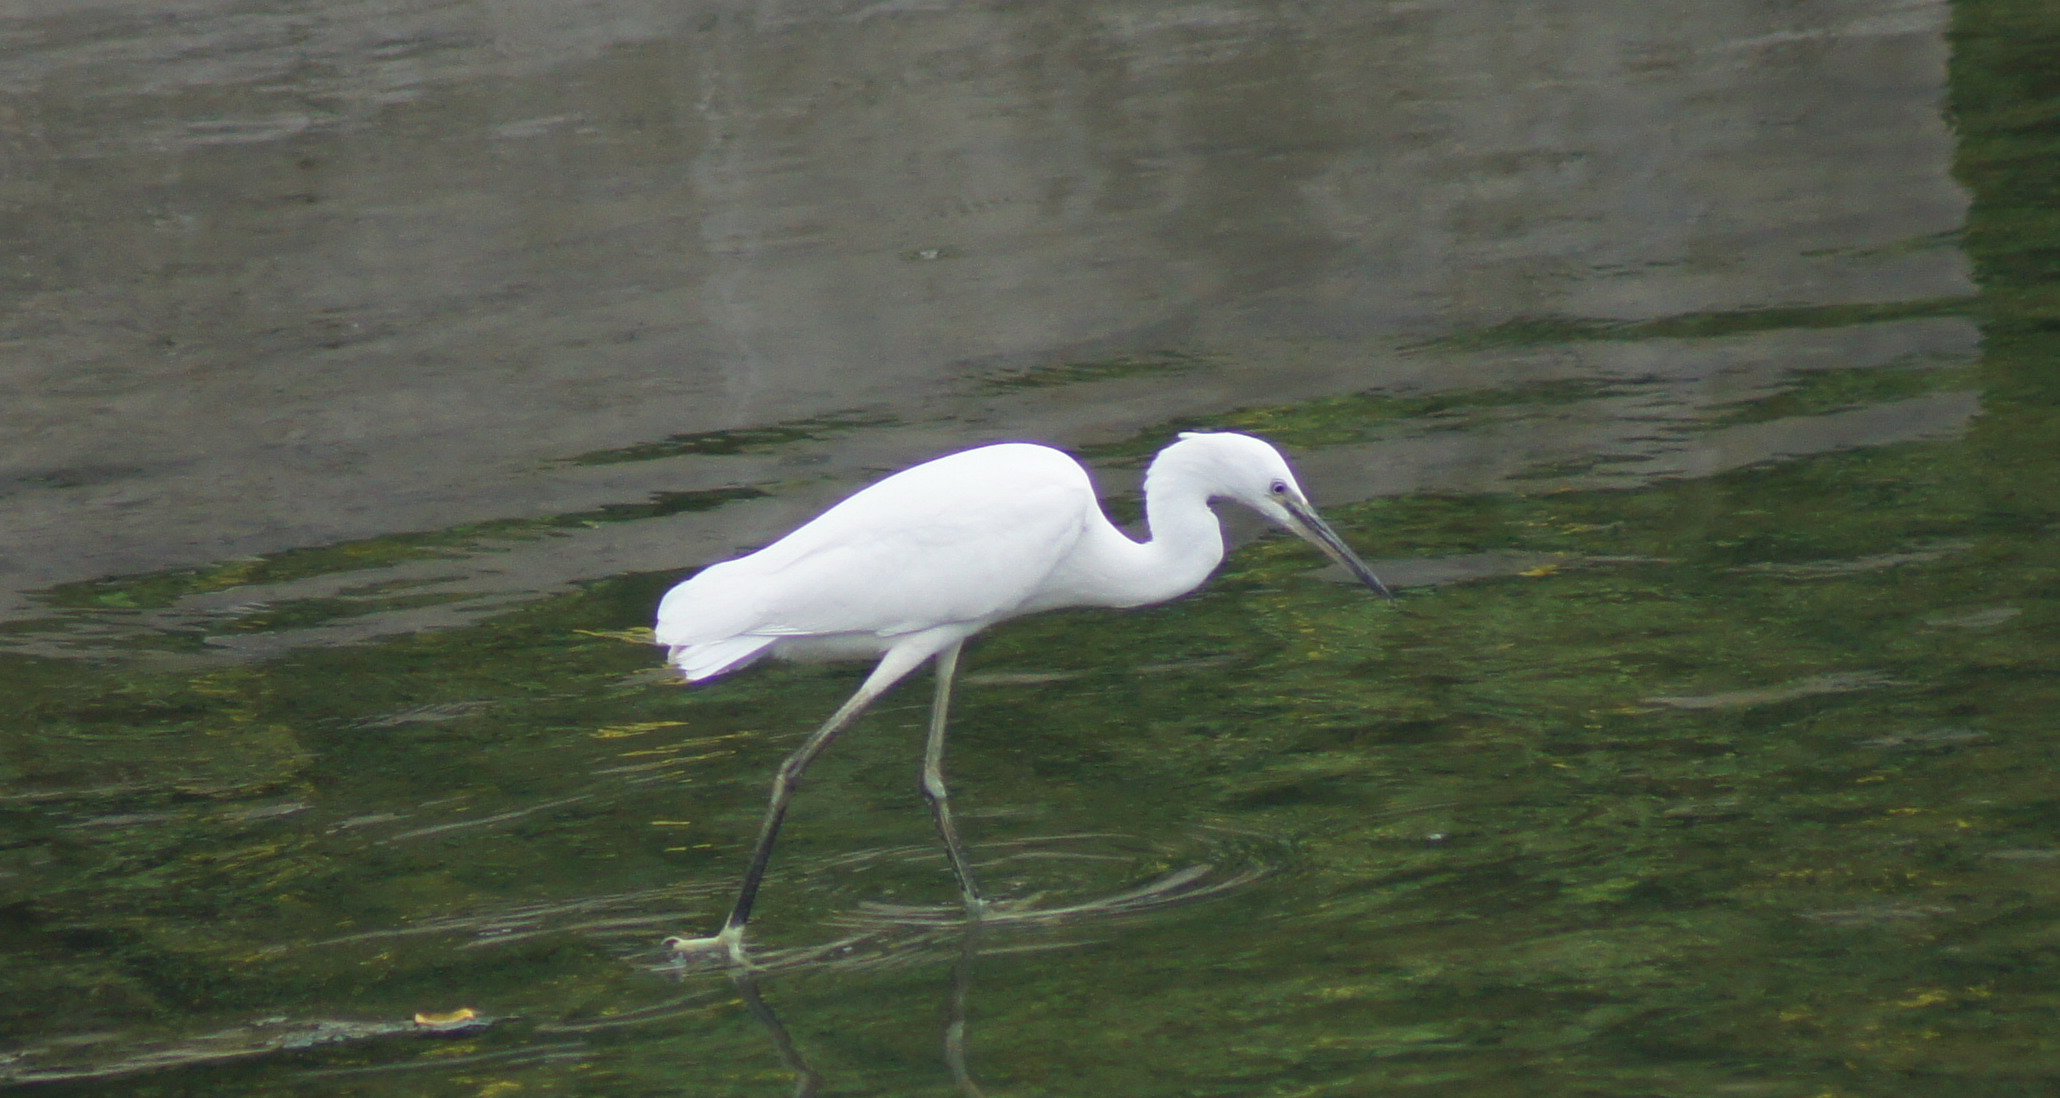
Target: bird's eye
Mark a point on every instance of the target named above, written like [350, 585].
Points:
[1280, 487]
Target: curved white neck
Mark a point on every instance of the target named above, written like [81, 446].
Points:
[1185, 541]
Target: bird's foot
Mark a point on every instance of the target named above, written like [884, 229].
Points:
[729, 940]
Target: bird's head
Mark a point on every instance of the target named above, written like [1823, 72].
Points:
[1250, 471]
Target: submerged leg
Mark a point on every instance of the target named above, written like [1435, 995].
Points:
[933, 784]
[890, 670]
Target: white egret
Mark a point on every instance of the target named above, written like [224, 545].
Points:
[908, 568]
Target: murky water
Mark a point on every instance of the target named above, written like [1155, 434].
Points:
[374, 366]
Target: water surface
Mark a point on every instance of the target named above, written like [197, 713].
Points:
[380, 365]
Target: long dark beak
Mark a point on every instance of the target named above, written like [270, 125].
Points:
[1317, 532]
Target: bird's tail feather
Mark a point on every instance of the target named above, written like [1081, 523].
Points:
[706, 661]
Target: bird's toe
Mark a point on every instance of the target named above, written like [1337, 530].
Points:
[728, 942]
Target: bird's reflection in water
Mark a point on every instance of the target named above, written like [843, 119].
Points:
[891, 936]
[955, 1013]
[808, 1082]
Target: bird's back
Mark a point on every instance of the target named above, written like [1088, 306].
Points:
[964, 540]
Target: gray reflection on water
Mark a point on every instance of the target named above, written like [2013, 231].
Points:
[807, 1081]
[331, 271]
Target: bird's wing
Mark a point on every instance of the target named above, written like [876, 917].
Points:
[963, 539]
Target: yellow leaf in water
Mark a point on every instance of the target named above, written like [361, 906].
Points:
[640, 635]
[462, 1014]
[1541, 570]
[618, 731]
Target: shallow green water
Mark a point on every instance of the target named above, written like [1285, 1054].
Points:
[1732, 783]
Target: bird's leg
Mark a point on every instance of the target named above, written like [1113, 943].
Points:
[933, 784]
[730, 939]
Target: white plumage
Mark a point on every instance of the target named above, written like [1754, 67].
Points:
[908, 568]
[964, 540]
